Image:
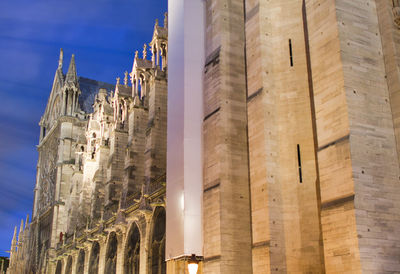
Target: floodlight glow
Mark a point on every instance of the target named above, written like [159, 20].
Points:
[193, 268]
[193, 264]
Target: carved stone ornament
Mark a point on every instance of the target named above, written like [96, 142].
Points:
[48, 172]
[396, 16]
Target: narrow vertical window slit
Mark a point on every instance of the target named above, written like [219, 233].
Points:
[290, 52]
[299, 163]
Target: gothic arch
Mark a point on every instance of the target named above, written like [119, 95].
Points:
[94, 259]
[111, 254]
[80, 262]
[68, 267]
[157, 242]
[59, 267]
[132, 251]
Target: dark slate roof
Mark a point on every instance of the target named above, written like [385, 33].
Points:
[125, 90]
[143, 63]
[89, 88]
[162, 32]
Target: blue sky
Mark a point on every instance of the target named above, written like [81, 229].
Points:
[103, 35]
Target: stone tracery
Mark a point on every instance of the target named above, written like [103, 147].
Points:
[94, 258]
[132, 253]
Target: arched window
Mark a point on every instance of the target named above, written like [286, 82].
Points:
[80, 264]
[94, 259]
[111, 254]
[68, 268]
[132, 254]
[157, 251]
[59, 267]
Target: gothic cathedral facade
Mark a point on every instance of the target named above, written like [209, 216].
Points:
[100, 191]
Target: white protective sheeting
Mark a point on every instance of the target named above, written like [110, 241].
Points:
[184, 136]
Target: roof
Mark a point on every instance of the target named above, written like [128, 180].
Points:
[143, 63]
[89, 88]
[124, 90]
[162, 32]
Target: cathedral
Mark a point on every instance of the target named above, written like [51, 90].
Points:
[279, 152]
[100, 189]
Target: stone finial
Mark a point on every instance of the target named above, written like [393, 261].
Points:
[126, 79]
[118, 80]
[71, 74]
[21, 231]
[166, 20]
[60, 60]
[14, 239]
[21, 228]
[27, 221]
[156, 24]
[136, 54]
[144, 51]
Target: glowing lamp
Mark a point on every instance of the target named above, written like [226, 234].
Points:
[193, 264]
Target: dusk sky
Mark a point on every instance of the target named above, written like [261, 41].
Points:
[103, 35]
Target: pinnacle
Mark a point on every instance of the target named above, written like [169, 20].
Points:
[71, 74]
[15, 234]
[60, 60]
[21, 228]
[27, 221]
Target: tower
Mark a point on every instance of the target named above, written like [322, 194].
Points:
[56, 194]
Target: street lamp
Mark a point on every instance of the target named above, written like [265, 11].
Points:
[193, 264]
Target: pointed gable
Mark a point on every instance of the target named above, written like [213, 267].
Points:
[55, 93]
[71, 80]
[160, 33]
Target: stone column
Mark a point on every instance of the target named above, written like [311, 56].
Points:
[121, 237]
[102, 255]
[87, 258]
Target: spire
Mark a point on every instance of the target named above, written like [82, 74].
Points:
[60, 60]
[21, 230]
[144, 51]
[27, 221]
[14, 239]
[156, 24]
[71, 74]
[166, 20]
[118, 80]
[126, 79]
